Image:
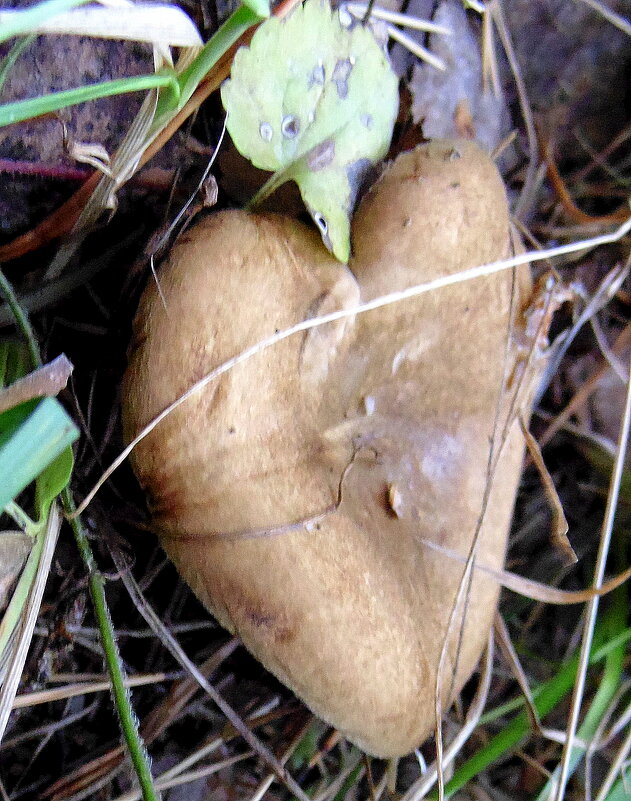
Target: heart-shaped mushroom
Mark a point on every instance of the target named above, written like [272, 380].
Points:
[298, 492]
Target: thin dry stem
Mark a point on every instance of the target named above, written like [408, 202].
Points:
[592, 608]
[21, 643]
[510, 655]
[176, 650]
[423, 785]
[526, 198]
[617, 20]
[81, 688]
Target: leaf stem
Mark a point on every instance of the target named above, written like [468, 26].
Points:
[128, 721]
[21, 320]
[271, 185]
[20, 517]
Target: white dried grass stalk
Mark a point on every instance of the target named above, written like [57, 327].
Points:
[151, 22]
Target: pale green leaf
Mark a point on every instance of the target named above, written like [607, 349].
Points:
[29, 446]
[314, 102]
[52, 481]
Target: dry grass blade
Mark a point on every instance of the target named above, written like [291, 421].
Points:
[602, 736]
[535, 590]
[610, 357]
[510, 655]
[616, 768]
[607, 289]
[617, 20]
[80, 688]
[566, 199]
[421, 787]
[405, 20]
[415, 48]
[315, 322]
[333, 789]
[269, 779]
[559, 523]
[592, 608]
[526, 198]
[175, 649]
[149, 22]
[584, 393]
[99, 771]
[22, 640]
[124, 164]
[163, 783]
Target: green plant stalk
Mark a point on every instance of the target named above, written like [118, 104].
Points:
[21, 110]
[128, 721]
[139, 756]
[21, 320]
[20, 517]
[232, 29]
[270, 186]
[548, 696]
[613, 623]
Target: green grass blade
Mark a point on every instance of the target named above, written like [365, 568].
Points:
[34, 445]
[615, 642]
[620, 791]
[613, 624]
[236, 25]
[547, 696]
[12, 419]
[551, 693]
[21, 110]
[12, 56]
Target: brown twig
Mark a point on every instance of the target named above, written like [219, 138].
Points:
[571, 209]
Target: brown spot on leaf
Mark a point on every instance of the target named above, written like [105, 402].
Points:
[341, 74]
[321, 155]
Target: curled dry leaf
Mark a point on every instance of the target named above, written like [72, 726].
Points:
[456, 102]
[350, 444]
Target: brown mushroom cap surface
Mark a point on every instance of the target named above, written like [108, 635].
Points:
[296, 492]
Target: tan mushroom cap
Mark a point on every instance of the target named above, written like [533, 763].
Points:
[297, 492]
